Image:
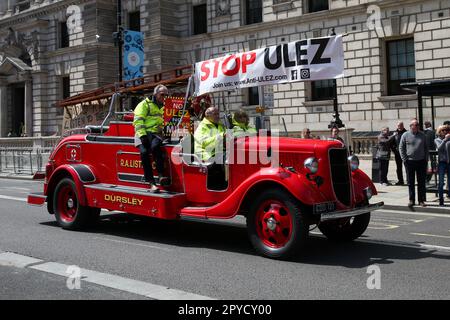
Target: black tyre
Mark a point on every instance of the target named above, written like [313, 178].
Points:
[68, 212]
[276, 226]
[345, 229]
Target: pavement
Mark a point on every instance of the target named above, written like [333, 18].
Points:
[394, 197]
[397, 197]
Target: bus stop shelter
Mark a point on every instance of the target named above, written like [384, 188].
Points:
[424, 89]
[432, 89]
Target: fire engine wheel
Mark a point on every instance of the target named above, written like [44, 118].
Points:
[345, 229]
[276, 226]
[68, 212]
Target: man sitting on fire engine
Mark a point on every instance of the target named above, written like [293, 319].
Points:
[148, 124]
[241, 125]
[208, 138]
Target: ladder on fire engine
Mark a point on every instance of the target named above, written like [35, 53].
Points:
[170, 78]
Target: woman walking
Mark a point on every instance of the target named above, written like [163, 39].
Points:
[443, 157]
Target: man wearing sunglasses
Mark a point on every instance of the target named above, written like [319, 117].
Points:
[148, 124]
[414, 153]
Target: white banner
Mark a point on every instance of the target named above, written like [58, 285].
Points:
[304, 60]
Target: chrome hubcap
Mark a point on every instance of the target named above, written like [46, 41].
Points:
[70, 203]
[271, 224]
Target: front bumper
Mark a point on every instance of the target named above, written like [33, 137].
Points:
[350, 212]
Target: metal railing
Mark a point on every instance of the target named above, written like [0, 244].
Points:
[25, 155]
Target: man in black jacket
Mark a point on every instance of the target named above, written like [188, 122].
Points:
[395, 148]
[385, 143]
[431, 135]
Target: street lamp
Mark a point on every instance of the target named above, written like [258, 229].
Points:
[336, 122]
[118, 37]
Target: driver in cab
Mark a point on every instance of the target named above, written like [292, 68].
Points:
[209, 135]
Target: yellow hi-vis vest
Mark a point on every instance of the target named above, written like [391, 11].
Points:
[240, 129]
[148, 117]
[206, 137]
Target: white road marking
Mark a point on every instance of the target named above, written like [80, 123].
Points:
[10, 259]
[406, 244]
[429, 246]
[133, 244]
[430, 235]
[13, 198]
[399, 243]
[402, 221]
[142, 288]
[382, 226]
[120, 283]
[18, 188]
[438, 215]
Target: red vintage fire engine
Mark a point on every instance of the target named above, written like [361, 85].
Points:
[315, 183]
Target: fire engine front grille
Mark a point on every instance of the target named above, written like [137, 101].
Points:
[340, 175]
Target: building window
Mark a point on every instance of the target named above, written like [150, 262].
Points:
[322, 90]
[64, 92]
[317, 5]
[65, 81]
[253, 96]
[200, 20]
[401, 65]
[134, 21]
[63, 35]
[253, 11]
[22, 5]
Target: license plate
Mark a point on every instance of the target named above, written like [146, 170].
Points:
[324, 207]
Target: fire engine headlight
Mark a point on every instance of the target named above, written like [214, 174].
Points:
[311, 164]
[368, 192]
[354, 162]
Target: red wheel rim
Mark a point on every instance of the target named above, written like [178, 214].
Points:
[274, 224]
[67, 203]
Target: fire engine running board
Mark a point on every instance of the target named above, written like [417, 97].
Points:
[132, 190]
[351, 212]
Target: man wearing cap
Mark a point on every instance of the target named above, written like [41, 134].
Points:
[148, 124]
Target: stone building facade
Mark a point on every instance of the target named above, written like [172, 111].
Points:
[386, 42]
[50, 49]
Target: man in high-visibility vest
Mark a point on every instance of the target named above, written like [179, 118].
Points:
[241, 125]
[209, 135]
[148, 125]
[208, 146]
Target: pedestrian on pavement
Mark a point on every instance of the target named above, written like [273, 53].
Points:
[148, 123]
[306, 134]
[414, 153]
[385, 144]
[431, 135]
[441, 143]
[395, 148]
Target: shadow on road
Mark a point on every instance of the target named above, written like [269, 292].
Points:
[232, 237]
